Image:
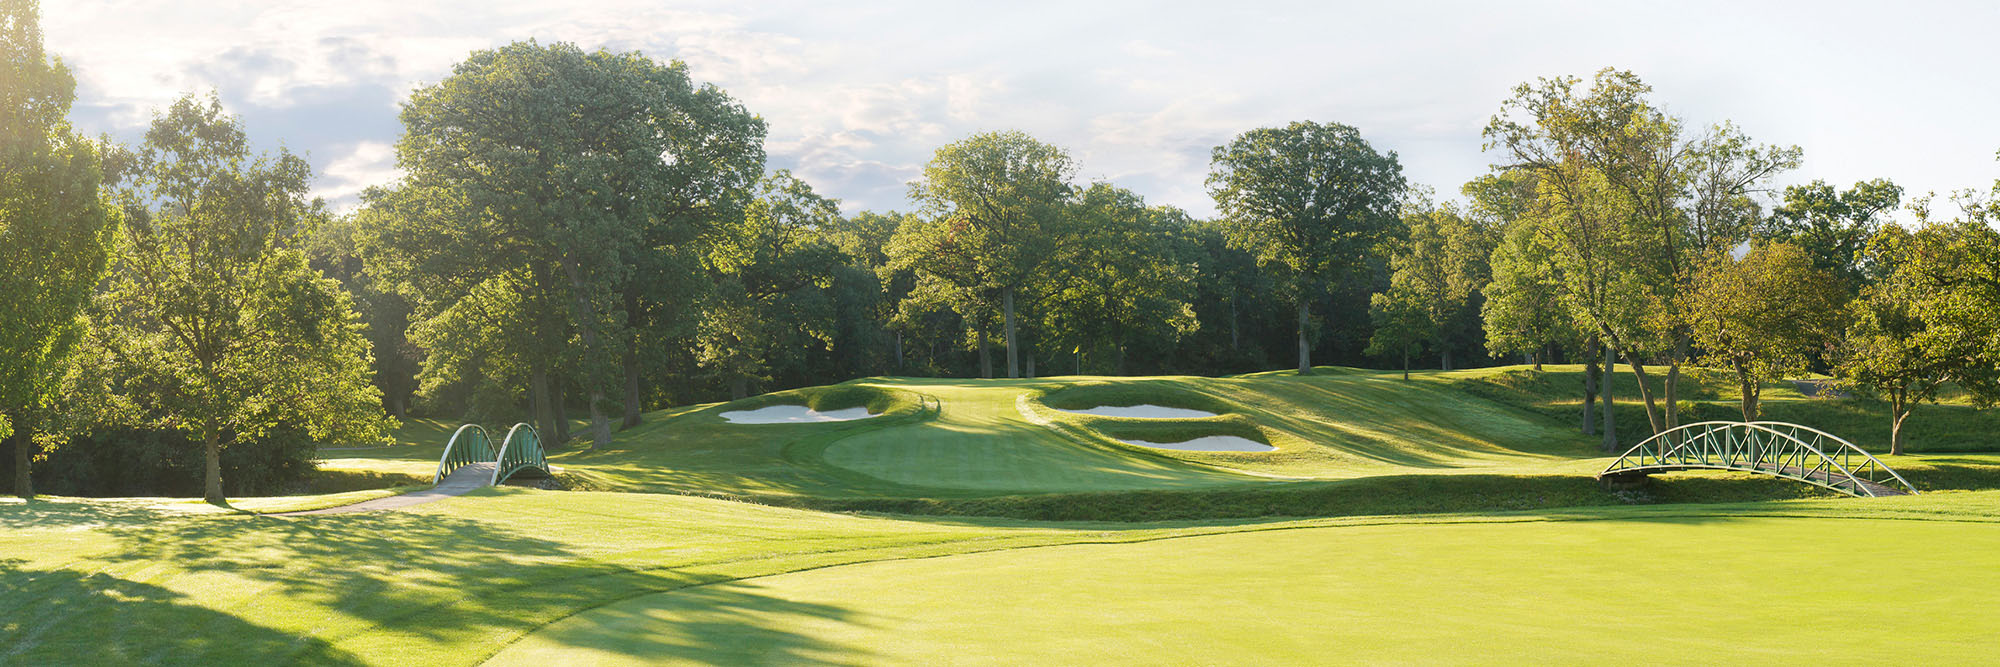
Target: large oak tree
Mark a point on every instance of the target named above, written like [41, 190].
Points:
[211, 313]
[989, 215]
[1313, 201]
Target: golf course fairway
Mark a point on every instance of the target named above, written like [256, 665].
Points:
[1692, 589]
[1449, 518]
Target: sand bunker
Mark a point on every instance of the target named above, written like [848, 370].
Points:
[793, 414]
[1143, 411]
[1212, 443]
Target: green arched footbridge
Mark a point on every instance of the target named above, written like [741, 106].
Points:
[471, 460]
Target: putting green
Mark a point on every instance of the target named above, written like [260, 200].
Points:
[1653, 590]
[980, 441]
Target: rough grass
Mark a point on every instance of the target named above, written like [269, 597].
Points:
[1954, 425]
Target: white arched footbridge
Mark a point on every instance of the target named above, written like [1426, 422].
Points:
[1779, 449]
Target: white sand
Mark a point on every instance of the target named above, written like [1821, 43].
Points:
[793, 414]
[1143, 411]
[1212, 443]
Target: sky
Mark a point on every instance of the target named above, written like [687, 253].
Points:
[857, 96]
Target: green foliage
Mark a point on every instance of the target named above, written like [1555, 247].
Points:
[115, 461]
[1440, 267]
[1930, 320]
[1632, 206]
[773, 298]
[1402, 325]
[1115, 279]
[212, 319]
[1523, 310]
[593, 181]
[1764, 315]
[989, 214]
[1834, 227]
[332, 250]
[55, 228]
[1312, 201]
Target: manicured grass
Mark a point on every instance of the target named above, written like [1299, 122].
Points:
[1628, 588]
[453, 582]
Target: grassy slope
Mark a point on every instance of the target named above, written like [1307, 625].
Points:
[970, 439]
[939, 438]
[455, 581]
[1954, 425]
[1386, 593]
[1367, 441]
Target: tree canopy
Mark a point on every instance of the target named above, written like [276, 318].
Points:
[1312, 201]
[211, 313]
[55, 228]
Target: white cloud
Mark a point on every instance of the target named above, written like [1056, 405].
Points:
[368, 163]
[857, 98]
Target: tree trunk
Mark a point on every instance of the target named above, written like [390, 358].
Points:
[1610, 413]
[1079, 360]
[1444, 355]
[634, 412]
[985, 356]
[1305, 350]
[540, 403]
[899, 351]
[211, 484]
[1121, 360]
[634, 409]
[586, 330]
[1031, 365]
[600, 425]
[1406, 365]
[1645, 393]
[559, 404]
[1674, 381]
[24, 460]
[739, 388]
[1896, 416]
[1750, 395]
[1645, 390]
[1013, 345]
[1590, 388]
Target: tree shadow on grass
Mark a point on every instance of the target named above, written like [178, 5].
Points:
[401, 570]
[49, 513]
[411, 587]
[129, 622]
[722, 623]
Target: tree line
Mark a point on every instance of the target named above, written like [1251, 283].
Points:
[585, 235]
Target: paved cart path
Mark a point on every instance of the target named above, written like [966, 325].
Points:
[458, 483]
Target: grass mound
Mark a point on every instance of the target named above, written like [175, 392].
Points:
[1165, 392]
[878, 399]
[1556, 393]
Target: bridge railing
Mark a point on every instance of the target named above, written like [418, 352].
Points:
[468, 445]
[522, 450]
[1776, 448]
[1857, 461]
